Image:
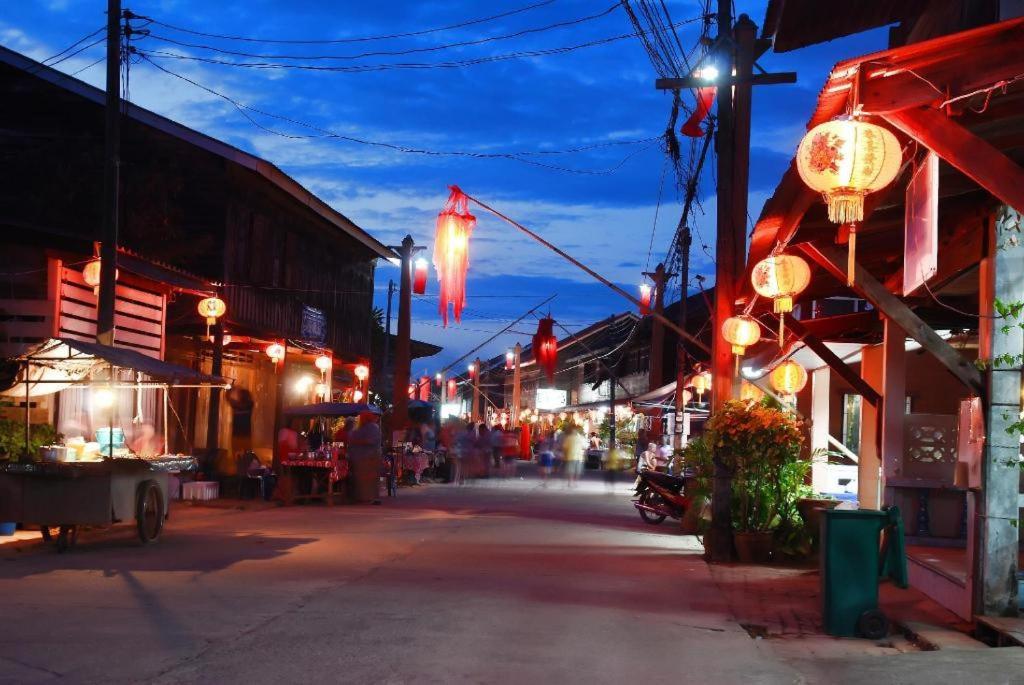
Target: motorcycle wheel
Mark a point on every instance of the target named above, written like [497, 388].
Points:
[651, 499]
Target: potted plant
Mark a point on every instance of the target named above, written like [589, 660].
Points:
[757, 442]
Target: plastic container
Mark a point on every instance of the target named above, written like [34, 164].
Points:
[853, 559]
[7, 528]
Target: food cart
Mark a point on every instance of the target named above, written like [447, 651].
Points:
[101, 482]
[325, 466]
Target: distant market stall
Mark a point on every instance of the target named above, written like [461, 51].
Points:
[94, 476]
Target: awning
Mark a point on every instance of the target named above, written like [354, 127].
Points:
[332, 409]
[657, 397]
[60, 362]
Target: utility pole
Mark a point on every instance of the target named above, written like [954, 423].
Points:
[475, 411]
[612, 381]
[403, 346]
[213, 415]
[517, 392]
[111, 180]
[655, 367]
[685, 240]
[386, 363]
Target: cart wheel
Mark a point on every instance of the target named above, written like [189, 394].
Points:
[149, 512]
[873, 625]
[66, 538]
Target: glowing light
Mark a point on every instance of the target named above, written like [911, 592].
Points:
[645, 299]
[708, 73]
[419, 283]
[212, 308]
[324, 363]
[275, 351]
[510, 360]
[781, 278]
[304, 383]
[321, 389]
[103, 398]
[357, 395]
[361, 372]
[788, 378]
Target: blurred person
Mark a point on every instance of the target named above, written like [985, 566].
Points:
[665, 453]
[509, 452]
[482, 452]
[463, 444]
[344, 430]
[649, 458]
[573, 448]
[497, 440]
[546, 458]
[365, 459]
[595, 441]
[614, 461]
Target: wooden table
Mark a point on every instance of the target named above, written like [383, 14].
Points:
[326, 472]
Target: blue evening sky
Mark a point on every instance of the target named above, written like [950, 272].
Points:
[591, 95]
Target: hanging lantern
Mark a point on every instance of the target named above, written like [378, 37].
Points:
[510, 360]
[545, 346]
[321, 390]
[439, 379]
[788, 378]
[701, 383]
[845, 160]
[212, 308]
[781, 278]
[451, 252]
[91, 275]
[453, 387]
[750, 392]
[741, 332]
[471, 370]
[361, 372]
[357, 395]
[423, 390]
[419, 281]
[645, 299]
[323, 363]
[276, 352]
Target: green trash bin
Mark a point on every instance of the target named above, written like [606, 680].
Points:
[855, 555]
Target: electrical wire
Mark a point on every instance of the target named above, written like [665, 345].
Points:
[390, 53]
[361, 39]
[244, 110]
[75, 44]
[363, 68]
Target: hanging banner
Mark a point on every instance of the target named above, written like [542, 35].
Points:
[921, 225]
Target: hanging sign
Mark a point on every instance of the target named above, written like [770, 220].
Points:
[921, 225]
[314, 325]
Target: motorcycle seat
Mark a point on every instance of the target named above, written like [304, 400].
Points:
[665, 479]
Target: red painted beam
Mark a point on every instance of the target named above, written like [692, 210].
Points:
[974, 156]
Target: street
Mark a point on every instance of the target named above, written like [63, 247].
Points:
[493, 582]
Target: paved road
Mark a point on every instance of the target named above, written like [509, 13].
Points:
[496, 583]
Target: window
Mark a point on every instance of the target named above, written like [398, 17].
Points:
[851, 422]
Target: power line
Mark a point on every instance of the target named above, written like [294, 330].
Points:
[389, 53]
[362, 39]
[244, 110]
[542, 52]
[76, 43]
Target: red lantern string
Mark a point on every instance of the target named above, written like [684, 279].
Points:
[645, 299]
[705, 97]
[453, 388]
[419, 283]
[545, 346]
[451, 252]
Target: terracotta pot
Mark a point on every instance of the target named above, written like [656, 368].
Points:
[754, 548]
[810, 511]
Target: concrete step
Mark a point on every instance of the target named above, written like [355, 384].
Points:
[933, 638]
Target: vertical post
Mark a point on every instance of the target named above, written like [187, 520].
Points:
[386, 362]
[869, 463]
[213, 415]
[279, 368]
[475, 411]
[517, 390]
[400, 398]
[820, 401]
[612, 382]
[894, 404]
[685, 240]
[111, 181]
[997, 505]
[655, 369]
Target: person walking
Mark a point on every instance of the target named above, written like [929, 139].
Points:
[365, 460]
[614, 459]
[574, 446]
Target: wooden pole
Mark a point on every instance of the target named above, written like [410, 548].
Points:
[403, 343]
[655, 369]
[111, 181]
[517, 390]
[565, 255]
[475, 411]
[213, 411]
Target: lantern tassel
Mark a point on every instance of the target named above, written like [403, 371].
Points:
[851, 259]
[782, 330]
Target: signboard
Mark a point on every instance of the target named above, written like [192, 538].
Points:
[550, 398]
[921, 225]
[314, 325]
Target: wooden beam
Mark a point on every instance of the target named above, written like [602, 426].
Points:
[834, 261]
[975, 157]
[819, 348]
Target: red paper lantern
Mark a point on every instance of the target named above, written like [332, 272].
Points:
[510, 360]
[545, 346]
[419, 282]
[453, 388]
[424, 388]
[645, 299]
[451, 252]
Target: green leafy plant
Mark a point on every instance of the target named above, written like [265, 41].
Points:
[12, 437]
[759, 444]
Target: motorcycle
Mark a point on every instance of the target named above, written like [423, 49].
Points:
[660, 495]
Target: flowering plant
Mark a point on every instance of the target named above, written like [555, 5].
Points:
[756, 441]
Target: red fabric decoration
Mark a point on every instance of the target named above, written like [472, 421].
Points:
[545, 346]
[419, 282]
[705, 96]
[425, 388]
[451, 252]
[645, 299]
